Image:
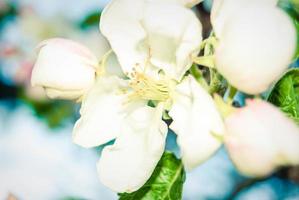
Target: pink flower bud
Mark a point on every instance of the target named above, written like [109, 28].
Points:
[66, 69]
[260, 138]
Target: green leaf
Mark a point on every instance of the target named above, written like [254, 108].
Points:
[285, 94]
[166, 182]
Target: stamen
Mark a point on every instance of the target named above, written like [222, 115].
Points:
[147, 88]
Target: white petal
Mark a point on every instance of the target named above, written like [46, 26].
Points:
[129, 163]
[247, 49]
[120, 23]
[142, 34]
[261, 138]
[195, 119]
[172, 44]
[64, 65]
[102, 113]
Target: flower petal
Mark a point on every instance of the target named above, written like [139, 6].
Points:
[129, 163]
[144, 37]
[172, 45]
[196, 121]
[120, 23]
[102, 113]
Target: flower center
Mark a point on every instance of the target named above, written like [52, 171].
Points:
[147, 88]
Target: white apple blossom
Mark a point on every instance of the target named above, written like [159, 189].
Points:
[255, 47]
[146, 41]
[113, 108]
[260, 138]
[152, 35]
[66, 69]
[116, 108]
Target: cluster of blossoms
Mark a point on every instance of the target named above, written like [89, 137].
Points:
[144, 79]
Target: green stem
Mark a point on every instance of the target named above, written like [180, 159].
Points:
[215, 81]
[197, 74]
[231, 94]
[224, 108]
[207, 61]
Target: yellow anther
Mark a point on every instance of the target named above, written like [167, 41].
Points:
[147, 88]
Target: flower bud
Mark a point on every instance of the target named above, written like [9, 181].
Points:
[66, 69]
[255, 48]
[224, 10]
[260, 138]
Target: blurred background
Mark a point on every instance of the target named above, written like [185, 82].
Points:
[37, 158]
